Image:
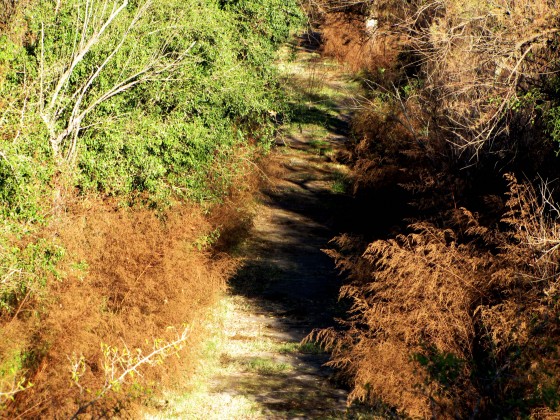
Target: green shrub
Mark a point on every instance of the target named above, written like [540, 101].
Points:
[189, 88]
[210, 86]
[25, 271]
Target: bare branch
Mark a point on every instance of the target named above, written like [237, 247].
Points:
[67, 108]
[121, 364]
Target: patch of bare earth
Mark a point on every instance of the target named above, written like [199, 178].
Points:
[253, 365]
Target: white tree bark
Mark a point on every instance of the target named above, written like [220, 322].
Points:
[63, 109]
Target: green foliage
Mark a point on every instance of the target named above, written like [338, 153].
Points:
[341, 183]
[205, 241]
[11, 381]
[442, 367]
[554, 123]
[265, 366]
[23, 186]
[263, 25]
[212, 90]
[9, 50]
[24, 271]
[201, 90]
[305, 348]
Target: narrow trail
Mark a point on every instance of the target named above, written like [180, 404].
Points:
[255, 367]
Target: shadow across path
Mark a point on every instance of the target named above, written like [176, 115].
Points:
[289, 284]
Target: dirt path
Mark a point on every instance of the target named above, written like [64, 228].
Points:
[254, 366]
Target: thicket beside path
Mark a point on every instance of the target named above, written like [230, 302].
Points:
[253, 365]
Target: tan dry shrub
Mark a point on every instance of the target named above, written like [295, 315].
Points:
[143, 278]
[8, 9]
[346, 38]
[478, 59]
[531, 264]
[234, 216]
[523, 329]
[387, 152]
[484, 306]
[534, 246]
[393, 156]
[415, 292]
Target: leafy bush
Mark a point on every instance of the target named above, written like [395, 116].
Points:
[176, 85]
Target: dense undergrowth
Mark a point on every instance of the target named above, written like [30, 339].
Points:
[453, 266]
[128, 135]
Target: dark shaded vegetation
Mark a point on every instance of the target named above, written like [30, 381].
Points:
[452, 263]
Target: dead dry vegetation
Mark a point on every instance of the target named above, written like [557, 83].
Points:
[453, 266]
[144, 283]
[454, 322]
[125, 307]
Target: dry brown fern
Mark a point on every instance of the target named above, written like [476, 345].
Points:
[410, 294]
[454, 323]
[534, 248]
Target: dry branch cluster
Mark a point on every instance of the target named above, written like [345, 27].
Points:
[478, 58]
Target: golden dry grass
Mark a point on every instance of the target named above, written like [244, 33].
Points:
[143, 278]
